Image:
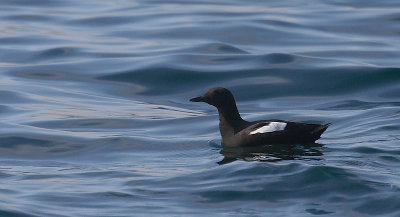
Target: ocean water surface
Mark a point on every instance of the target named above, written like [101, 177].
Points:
[95, 118]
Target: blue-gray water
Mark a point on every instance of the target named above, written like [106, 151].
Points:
[95, 118]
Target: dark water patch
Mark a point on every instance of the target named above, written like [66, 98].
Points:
[391, 92]
[27, 39]
[71, 199]
[15, 214]
[102, 21]
[318, 212]
[286, 168]
[116, 195]
[92, 124]
[372, 150]
[42, 177]
[390, 158]
[39, 3]
[313, 182]
[12, 141]
[380, 206]
[44, 75]
[108, 174]
[219, 48]
[358, 104]
[363, 4]
[61, 52]
[39, 146]
[279, 23]
[30, 18]
[279, 58]
[8, 191]
[3, 176]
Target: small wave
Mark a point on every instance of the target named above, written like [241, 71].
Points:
[166, 80]
[40, 146]
[218, 48]
[102, 21]
[11, 97]
[30, 17]
[60, 52]
[372, 150]
[278, 58]
[312, 182]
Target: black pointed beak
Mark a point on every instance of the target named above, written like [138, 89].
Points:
[197, 99]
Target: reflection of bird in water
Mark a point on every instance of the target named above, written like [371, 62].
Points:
[271, 153]
[237, 132]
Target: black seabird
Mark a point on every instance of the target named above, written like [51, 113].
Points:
[237, 132]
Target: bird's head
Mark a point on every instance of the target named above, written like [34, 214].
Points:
[217, 96]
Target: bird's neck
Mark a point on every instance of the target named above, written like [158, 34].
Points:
[230, 121]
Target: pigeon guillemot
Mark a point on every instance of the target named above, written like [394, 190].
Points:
[237, 132]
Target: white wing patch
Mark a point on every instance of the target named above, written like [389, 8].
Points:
[271, 127]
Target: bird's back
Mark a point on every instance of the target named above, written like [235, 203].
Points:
[275, 132]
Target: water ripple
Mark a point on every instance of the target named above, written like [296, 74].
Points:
[95, 116]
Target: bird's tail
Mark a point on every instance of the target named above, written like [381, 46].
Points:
[318, 131]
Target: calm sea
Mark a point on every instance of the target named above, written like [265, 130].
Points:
[95, 118]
